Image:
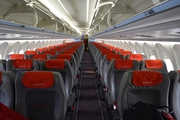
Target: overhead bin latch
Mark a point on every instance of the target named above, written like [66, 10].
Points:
[149, 12]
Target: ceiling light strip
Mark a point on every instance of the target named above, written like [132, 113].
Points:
[87, 11]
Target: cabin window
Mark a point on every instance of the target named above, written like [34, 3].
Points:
[152, 57]
[176, 49]
[21, 52]
[11, 53]
[0, 56]
[135, 52]
[142, 53]
[162, 53]
[169, 64]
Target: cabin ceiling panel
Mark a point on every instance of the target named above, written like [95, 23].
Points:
[76, 11]
[76, 16]
[4, 6]
[157, 26]
[140, 5]
[24, 18]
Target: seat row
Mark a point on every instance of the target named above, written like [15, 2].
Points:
[37, 95]
[74, 54]
[41, 89]
[77, 50]
[123, 82]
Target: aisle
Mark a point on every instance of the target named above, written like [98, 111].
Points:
[89, 107]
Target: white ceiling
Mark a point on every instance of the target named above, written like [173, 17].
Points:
[73, 17]
[86, 15]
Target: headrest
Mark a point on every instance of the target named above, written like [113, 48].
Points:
[40, 56]
[59, 63]
[146, 78]
[0, 77]
[29, 52]
[112, 56]
[16, 56]
[25, 64]
[153, 64]
[123, 64]
[38, 79]
[137, 57]
[64, 56]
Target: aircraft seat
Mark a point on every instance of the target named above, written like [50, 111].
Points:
[7, 79]
[16, 56]
[175, 93]
[158, 65]
[146, 86]
[51, 52]
[125, 54]
[40, 56]
[62, 66]
[2, 65]
[106, 60]
[137, 57]
[114, 76]
[75, 54]
[40, 95]
[72, 61]
[30, 52]
[19, 65]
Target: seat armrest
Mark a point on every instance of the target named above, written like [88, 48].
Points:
[76, 83]
[102, 83]
[114, 115]
[109, 101]
[68, 115]
[71, 101]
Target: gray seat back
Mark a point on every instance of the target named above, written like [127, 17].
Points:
[115, 72]
[146, 86]
[7, 88]
[40, 56]
[158, 65]
[105, 63]
[62, 66]
[175, 93]
[40, 95]
[72, 62]
[2, 65]
[20, 65]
